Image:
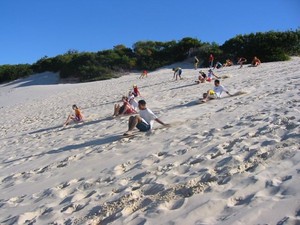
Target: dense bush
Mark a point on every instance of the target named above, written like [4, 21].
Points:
[150, 55]
[13, 72]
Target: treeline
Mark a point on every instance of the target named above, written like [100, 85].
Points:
[150, 55]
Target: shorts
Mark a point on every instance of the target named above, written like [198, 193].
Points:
[142, 126]
[77, 119]
[121, 109]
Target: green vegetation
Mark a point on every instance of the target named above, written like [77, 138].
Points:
[150, 55]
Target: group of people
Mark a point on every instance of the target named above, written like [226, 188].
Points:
[145, 118]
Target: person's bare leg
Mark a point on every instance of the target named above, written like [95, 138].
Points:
[68, 120]
[132, 122]
[205, 96]
[116, 110]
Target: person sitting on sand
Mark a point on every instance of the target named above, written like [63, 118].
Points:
[210, 75]
[201, 78]
[255, 61]
[136, 91]
[144, 121]
[125, 109]
[76, 117]
[144, 74]
[215, 93]
[228, 63]
[177, 72]
[132, 101]
[241, 61]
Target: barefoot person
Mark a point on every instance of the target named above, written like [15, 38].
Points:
[241, 61]
[125, 109]
[76, 117]
[177, 72]
[215, 93]
[144, 121]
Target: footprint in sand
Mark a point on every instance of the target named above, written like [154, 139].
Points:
[173, 205]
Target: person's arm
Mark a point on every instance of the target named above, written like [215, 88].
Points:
[161, 122]
[216, 76]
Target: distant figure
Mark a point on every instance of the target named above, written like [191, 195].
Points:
[177, 72]
[241, 61]
[228, 63]
[201, 78]
[136, 91]
[211, 60]
[218, 65]
[210, 75]
[255, 61]
[215, 93]
[144, 74]
[76, 117]
[125, 109]
[144, 121]
[196, 62]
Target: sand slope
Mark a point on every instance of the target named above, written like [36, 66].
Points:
[230, 161]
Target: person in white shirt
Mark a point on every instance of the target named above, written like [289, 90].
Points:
[144, 121]
[216, 92]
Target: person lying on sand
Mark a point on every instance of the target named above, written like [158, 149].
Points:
[77, 117]
[215, 93]
[144, 121]
[125, 109]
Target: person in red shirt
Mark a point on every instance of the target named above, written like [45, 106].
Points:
[125, 109]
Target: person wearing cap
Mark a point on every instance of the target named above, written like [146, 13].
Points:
[76, 117]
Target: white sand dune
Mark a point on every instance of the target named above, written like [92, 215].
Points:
[233, 160]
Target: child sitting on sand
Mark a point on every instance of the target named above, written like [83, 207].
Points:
[125, 109]
[215, 93]
[210, 75]
[78, 117]
[136, 91]
[201, 77]
[144, 121]
[132, 101]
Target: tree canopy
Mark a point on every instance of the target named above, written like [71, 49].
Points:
[150, 55]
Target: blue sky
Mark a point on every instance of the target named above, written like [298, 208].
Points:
[33, 29]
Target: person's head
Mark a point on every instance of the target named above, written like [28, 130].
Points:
[142, 104]
[74, 107]
[210, 70]
[134, 86]
[217, 82]
[173, 69]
